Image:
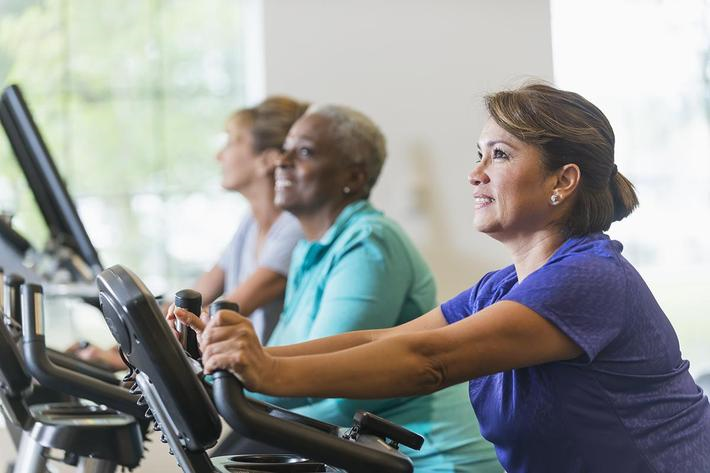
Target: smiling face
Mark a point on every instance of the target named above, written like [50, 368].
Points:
[511, 189]
[311, 173]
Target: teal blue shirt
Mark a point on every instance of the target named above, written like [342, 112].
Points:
[364, 273]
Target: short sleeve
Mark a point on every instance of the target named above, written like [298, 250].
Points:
[582, 295]
[283, 236]
[467, 302]
[459, 307]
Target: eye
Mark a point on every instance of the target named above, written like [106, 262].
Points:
[499, 154]
[479, 157]
[304, 152]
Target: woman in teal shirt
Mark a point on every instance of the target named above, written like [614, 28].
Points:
[357, 270]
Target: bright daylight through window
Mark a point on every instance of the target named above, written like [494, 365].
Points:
[647, 65]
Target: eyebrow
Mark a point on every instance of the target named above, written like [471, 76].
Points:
[491, 143]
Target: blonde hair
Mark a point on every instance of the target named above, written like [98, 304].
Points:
[270, 120]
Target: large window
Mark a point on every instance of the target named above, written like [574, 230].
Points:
[646, 63]
[131, 97]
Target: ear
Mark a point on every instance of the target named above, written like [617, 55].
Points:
[568, 177]
[356, 178]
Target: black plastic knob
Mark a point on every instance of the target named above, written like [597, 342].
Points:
[222, 304]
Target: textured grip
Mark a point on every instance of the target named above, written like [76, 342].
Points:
[191, 301]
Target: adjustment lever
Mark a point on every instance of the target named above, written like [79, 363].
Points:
[365, 423]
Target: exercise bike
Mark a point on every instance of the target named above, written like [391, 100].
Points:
[178, 399]
[95, 438]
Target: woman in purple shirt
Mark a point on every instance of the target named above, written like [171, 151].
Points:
[573, 366]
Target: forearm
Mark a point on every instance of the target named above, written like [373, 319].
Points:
[398, 366]
[210, 285]
[330, 344]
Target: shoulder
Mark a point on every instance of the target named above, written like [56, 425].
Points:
[285, 231]
[374, 229]
[246, 224]
[287, 222]
[594, 259]
[488, 290]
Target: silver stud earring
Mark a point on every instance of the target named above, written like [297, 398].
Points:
[346, 190]
[555, 198]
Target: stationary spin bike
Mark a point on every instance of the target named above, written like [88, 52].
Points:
[178, 398]
[95, 438]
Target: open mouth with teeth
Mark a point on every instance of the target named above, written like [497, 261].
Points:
[283, 183]
[483, 201]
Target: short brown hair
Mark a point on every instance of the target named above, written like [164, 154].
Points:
[569, 129]
[270, 120]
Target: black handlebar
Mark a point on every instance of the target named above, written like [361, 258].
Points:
[58, 378]
[12, 299]
[71, 362]
[260, 425]
[257, 424]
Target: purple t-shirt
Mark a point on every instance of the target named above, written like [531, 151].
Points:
[627, 404]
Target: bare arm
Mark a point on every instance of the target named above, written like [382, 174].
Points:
[263, 286]
[210, 284]
[503, 336]
[429, 321]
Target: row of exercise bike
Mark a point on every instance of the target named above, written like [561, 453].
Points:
[53, 402]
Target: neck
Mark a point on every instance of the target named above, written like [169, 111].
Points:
[531, 252]
[261, 200]
[316, 223]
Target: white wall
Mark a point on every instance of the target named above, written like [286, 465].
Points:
[419, 68]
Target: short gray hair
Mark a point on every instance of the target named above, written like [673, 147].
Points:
[358, 138]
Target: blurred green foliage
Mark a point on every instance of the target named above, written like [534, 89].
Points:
[129, 96]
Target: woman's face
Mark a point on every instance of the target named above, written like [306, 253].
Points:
[311, 173]
[237, 157]
[511, 190]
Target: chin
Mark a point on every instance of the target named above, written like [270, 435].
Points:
[486, 227]
[282, 203]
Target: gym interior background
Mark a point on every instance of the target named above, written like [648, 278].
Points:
[131, 98]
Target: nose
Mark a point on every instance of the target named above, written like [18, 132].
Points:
[478, 175]
[284, 158]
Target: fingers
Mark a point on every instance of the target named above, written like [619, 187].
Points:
[228, 317]
[215, 334]
[170, 318]
[90, 353]
[189, 319]
[223, 361]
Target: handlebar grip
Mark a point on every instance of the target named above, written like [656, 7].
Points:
[32, 305]
[222, 304]
[191, 301]
[257, 424]
[12, 300]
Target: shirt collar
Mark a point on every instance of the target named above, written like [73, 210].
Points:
[312, 250]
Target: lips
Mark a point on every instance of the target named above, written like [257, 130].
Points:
[482, 200]
[282, 181]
